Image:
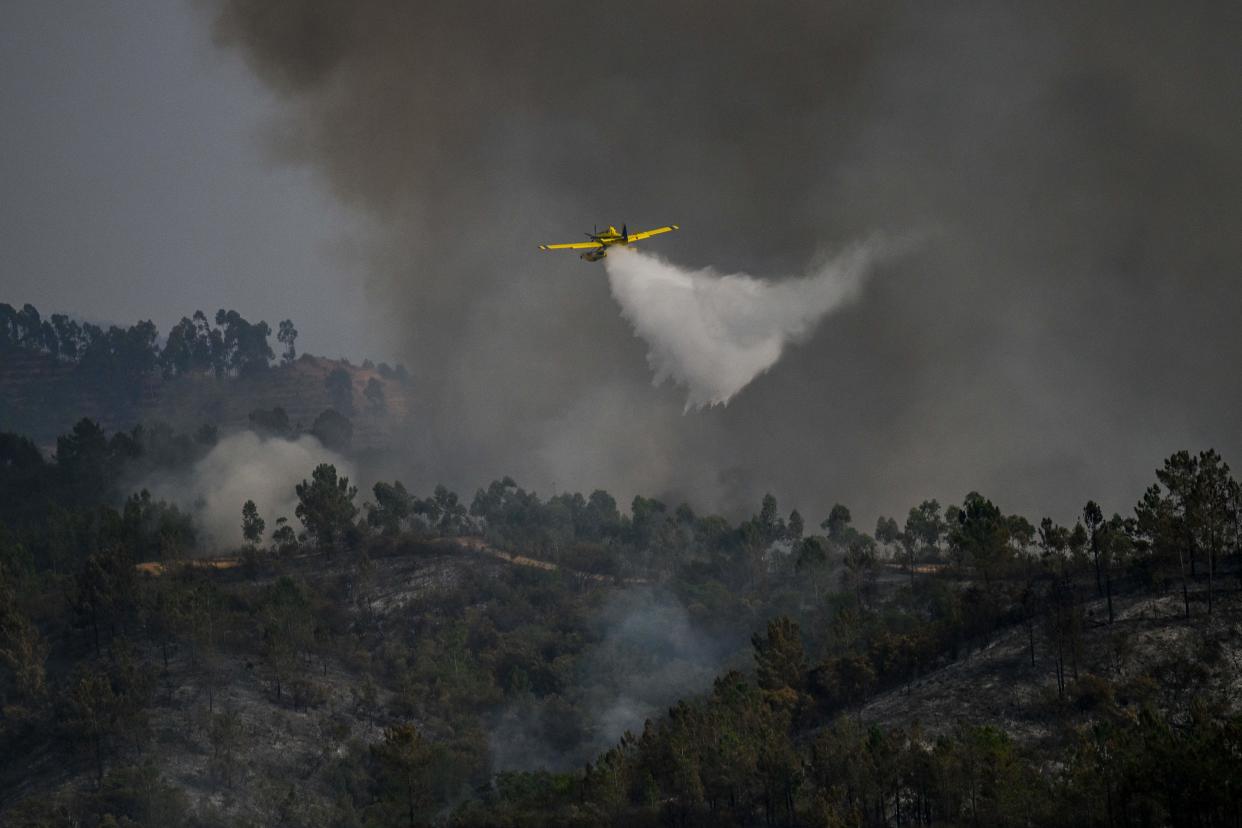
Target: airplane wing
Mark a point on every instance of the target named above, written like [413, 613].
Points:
[646, 234]
[571, 246]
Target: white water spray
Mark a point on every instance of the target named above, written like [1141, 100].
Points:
[715, 333]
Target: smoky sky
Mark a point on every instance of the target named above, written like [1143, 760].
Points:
[134, 183]
[1072, 170]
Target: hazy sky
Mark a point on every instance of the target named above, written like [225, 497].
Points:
[134, 182]
[381, 172]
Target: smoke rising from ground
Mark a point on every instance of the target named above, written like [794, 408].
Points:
[241, 467]
[649, 655]
[715, 333]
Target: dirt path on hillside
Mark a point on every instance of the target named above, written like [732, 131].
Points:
[481, 546]
[470, 544]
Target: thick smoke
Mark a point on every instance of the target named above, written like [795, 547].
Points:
[243, 467]
[713, 333]
[1072, 321]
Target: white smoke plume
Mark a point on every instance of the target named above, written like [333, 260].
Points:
[715, 333]
[241, 467]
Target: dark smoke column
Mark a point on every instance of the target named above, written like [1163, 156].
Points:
[1074, 166]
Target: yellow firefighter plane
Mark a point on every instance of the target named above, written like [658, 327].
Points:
[597, 247]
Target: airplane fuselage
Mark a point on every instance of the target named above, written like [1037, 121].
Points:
[607, 239]
[597, 247]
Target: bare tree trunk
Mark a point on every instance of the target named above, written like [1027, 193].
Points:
[1095, 552]
[98, 760]
[1190, 539]
[1211, 572]
[1060, 666]
[1181, 562]
[1108, 590]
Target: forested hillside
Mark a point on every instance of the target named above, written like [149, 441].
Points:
[386, 658]
[56, 370]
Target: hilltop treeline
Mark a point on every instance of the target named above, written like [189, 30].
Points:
[437, 705]
[232, 346]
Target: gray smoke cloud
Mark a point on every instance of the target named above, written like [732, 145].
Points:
[1072, 321]
[241, 467]
[715, 333]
